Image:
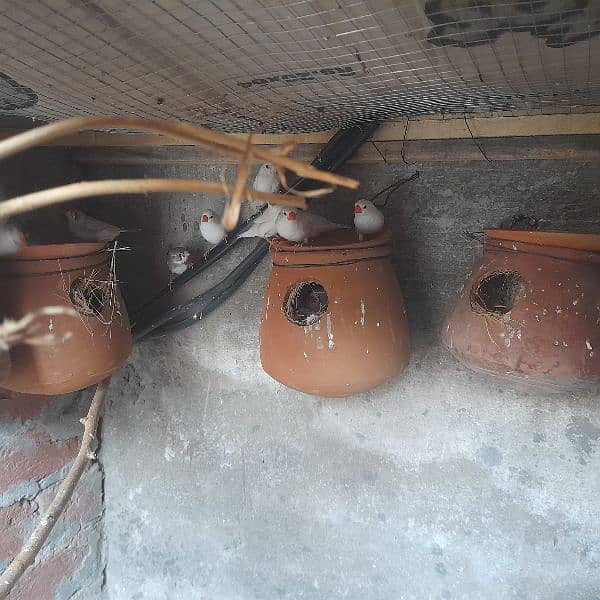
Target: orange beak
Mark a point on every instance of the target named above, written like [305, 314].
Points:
[357, 209]
[186, 253]
[291, 216]
[205, 218]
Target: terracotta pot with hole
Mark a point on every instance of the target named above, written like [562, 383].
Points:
[530, 310]
[89, 347]
[333, 319]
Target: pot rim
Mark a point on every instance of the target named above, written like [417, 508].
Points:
[333, 241]
[575, 255]
[589, 242]
[55, 251]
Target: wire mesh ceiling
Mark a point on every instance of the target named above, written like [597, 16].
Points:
[296, 65]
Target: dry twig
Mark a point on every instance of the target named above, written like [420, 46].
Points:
[88, 189]
[33, 545]
[250, 153]
[184, 131]
[231, 213]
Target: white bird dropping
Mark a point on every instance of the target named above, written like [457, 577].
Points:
[368, 219]
[211, 228]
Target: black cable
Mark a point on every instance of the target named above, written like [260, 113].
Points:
[392, 188]
[404, 144]
[476, 142]
[343, 145]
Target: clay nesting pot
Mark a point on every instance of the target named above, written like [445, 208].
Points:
[333, 320]
[531, 311]
[88, 348]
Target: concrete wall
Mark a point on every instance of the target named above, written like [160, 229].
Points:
[39, 437]
[223, 484]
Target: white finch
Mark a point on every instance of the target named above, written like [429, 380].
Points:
[211, 228]
[368, 219]
[266, 179]
[11, 239]
[177, 260]
[265, 225]
[89, 229]
[300, 226]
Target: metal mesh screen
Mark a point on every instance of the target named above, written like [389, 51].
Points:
[300, 65]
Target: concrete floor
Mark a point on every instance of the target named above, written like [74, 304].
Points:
[222, 484]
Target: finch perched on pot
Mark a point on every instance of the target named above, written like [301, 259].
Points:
[300, 226]
[90, 229]
[368, 219]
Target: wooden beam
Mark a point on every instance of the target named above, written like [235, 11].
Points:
[458, 128]
[433, 127]
[581, 147]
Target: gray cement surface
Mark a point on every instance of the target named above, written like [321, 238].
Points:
[222, 484]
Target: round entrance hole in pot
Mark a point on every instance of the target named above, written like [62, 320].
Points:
[88, 348]
[531, 311]
[333, 319]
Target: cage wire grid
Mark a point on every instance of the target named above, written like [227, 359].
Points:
[295, 66]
